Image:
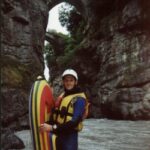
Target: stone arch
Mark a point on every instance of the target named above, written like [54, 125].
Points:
[56, 40]
[78, 4]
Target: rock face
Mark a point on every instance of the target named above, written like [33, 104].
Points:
[113, 60]
[22, 40]
[57, 42]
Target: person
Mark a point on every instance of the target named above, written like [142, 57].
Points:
[67, 116]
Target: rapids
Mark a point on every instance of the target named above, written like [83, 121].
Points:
[104, 134]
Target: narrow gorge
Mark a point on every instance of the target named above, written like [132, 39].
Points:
[113, 59]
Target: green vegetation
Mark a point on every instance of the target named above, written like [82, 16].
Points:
[50, 55]
[71, 19]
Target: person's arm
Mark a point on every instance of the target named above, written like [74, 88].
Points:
[45, 127]
[69, 126]
[48, 125]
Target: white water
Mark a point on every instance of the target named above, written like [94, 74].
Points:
[103, 134]
[46, 69]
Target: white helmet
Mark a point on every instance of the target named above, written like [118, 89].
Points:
[70, 72]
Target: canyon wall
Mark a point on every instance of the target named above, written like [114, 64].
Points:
[113, 60]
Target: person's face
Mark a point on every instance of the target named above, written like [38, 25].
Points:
[69, 82]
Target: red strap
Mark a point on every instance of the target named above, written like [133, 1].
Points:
[58, 101]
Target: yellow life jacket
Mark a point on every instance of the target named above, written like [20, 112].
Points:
[64, 112]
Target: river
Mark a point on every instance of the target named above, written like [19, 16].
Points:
[104, 134]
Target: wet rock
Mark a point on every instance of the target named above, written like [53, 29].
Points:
[11, 141]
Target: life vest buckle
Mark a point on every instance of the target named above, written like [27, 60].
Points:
[63, 112]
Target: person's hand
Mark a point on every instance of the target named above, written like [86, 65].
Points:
[46, 127]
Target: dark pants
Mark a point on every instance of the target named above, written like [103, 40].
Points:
[67, 142]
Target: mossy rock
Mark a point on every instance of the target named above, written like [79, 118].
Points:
[11, 76]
